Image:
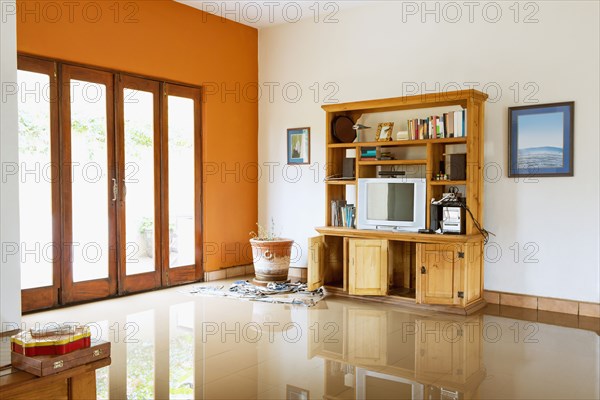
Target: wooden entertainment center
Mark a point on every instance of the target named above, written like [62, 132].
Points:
[441, 272]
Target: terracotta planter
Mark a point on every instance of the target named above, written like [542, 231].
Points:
[271, 259]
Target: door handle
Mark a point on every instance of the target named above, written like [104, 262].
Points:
[124, 189]
[115, 189]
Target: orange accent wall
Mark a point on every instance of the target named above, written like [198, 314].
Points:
[165, 39]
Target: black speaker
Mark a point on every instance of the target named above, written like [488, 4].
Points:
[456, 167]
[435, 216]
[348, 168]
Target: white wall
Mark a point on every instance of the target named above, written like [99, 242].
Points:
[371, 53]
[10, 278]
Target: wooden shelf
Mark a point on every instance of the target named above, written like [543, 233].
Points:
[341, 182]
[392, 162]
[420, 142]
[447, 183]
[429, 100]
[342, 145]
[400, 236]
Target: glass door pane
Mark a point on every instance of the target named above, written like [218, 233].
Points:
[181, 351]
[181, 129]
[89, 180]
[36, 176]
[140, 224]
[100, 330]
[89, 188]
[140, 355]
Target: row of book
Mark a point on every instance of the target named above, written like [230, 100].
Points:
[368, 153]
[343, 214]
[372, 153]
[449, 125]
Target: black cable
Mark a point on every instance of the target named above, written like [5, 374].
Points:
[484, 232]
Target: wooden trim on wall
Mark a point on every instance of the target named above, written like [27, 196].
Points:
[105, 69]
[573, 307]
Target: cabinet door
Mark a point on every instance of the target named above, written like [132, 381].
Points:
[328, 332]
[368, 267]
[367, 336]
[316, 262]
[448, 351]
[473, 271]
[434, 353]
[439, 274]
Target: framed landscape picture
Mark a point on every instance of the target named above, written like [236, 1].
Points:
[540, 140]
[298, 146]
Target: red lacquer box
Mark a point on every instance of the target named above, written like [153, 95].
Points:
[31, 343]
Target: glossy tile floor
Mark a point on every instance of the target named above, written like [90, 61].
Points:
[168, 344]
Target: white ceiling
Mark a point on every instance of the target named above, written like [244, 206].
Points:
[261, 14]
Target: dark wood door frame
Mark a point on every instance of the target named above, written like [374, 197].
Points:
[64, 291]
[98, 288]
[147, 280]
[48, 296]
[189, 273]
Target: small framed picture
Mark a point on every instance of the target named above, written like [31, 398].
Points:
[540, 140]
[296, 393]
[384, 132]
[298, 146]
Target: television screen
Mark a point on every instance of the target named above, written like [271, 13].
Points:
[382, 389]
[390, 201]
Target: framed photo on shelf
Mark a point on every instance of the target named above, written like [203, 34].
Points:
[298, 146]
[540, 140]
[384, 132]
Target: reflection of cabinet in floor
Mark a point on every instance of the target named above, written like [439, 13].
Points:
[447, 351]
[367, 337]
[446, 272]
[374, 351]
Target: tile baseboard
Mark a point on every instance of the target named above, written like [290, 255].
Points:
[492, 297]
[240, 270]
[543, 303]
[298, 272]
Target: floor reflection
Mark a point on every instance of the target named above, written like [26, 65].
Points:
[168, 344]
[381, 354]
[181, 351]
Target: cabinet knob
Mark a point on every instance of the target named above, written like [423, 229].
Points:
[423, 270]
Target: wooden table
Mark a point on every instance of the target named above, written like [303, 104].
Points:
[75, 383]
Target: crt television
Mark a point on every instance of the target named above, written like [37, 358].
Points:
[396, 204]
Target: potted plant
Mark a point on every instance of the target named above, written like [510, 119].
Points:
[270, 254]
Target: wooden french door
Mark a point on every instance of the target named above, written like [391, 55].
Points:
[120, 209]
[181, 188]
[39, 193]
[159, 166]
[89, 184]
[138, 167]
